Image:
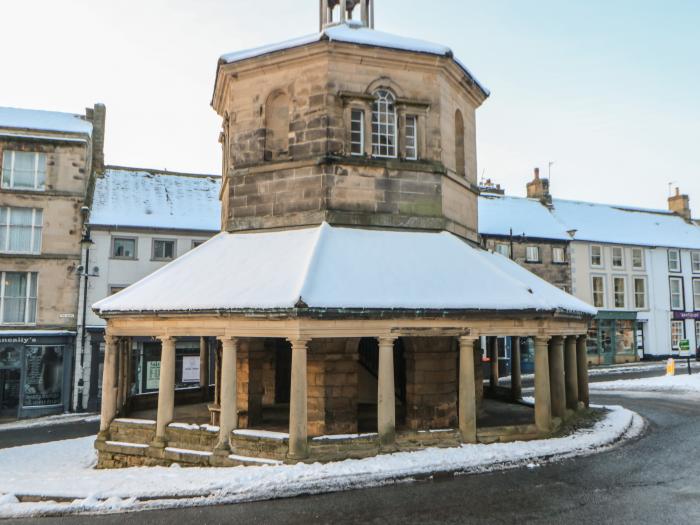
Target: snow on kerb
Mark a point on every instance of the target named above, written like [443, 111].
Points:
[41, 120]
[329, 267]
[354, 33]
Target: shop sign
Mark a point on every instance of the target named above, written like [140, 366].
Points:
[681, 316]
[18, 339]
[152, 374]
[190, 369]
[684, 348]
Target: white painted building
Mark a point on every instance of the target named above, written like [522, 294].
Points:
[140, 220]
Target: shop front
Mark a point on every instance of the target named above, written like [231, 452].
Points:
[613, 338]
[35, 373]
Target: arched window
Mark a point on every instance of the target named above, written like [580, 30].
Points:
[460, 161]
[384, 124]
[277, 126]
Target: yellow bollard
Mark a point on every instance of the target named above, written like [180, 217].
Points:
[671, 367]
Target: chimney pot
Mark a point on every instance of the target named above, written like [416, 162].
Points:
[537, 173]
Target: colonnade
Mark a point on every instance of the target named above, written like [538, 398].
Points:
[561, 383]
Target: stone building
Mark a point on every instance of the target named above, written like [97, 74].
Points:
[347, 289]
[48, 162]
[139, 221]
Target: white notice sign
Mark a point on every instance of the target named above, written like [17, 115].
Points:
[152, 374]
[190, 369]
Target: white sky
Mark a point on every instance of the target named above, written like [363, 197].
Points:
[607, 90]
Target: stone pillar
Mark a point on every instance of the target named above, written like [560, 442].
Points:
[467, 394]
[386, 394]
[204, 367]
[343, 10]
[119, 386]
[570, 373]
[516, 387]
[556, 377]
[298, 446]
[166, 389]
[364, 9]
[228, 419]
[543, 400]
[492, 345]
[109, 393]
[582, 369]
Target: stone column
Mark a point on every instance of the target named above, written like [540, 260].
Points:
[543, 400]
[467, 395]
[204, 367]
[386, 394]
[166, 389]
[556, 377]
[343, 10]
[298, 445]
[492, 345]
[364, 9]
[516, 387]
[109, 393]
[119, 387]
[582, 369]
[570, 373]
[228, 420]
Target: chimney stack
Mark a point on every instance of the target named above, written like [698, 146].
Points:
[538, 188]
[97, 116]
[680, 205]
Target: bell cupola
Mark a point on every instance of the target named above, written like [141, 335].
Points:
[335, 12]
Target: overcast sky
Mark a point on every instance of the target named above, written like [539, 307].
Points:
[608, 90]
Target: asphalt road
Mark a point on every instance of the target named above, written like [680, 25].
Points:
[654, 479]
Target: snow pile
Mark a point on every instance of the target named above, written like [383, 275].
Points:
[677, 383]
[40, 120]
[44, 469]
[48, 421]
[352, 33]
[128, 197]
[328, 267]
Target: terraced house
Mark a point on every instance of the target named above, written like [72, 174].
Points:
[48, 163]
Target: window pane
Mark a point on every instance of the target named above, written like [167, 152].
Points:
[357, 128]
[24, 170]
[383, 125]
[44, 383]
[21, 229]
[696, 262]
[124, 248]
[3, 228]
[411, 138]
[6, 169]
[637, 261]
[640, 300]
[15, 297]
[696, 295]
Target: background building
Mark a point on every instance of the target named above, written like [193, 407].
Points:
[48, 164]
[140, 220]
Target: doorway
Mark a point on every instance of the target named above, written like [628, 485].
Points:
[9, 392]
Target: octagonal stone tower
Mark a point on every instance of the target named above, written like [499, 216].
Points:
[351, 126]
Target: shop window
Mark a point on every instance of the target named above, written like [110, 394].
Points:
[20, 230]
[640, 293]
[618, 257]
[532, 254]
[18, 297]
[276, 126]
[558, 255]
[43, 385]
[697, 334]
[677, 333]
[619, 292]
[123, 248]
[597, 256]
[695, 257]
[384, 124]
[637, 258]
[624, 337]
[598, 287]
[674, 261]
[411, 137]
[163, 250]
[23, 170]
[357, 132]
[503, 249]
[460, 157]
[676, 285]
[696, 294]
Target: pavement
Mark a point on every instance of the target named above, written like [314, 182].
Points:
[653, 479]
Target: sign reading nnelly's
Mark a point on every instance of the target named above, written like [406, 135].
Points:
[18, 339]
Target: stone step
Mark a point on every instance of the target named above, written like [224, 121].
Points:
[248, 461]
[187, 456]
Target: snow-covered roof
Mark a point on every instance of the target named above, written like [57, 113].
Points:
[592, 222]
[353, 32]
[35, 119]
[127, 197]
[327, 267]
[498, 215]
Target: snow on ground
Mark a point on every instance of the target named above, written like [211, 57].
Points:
[678, 383]
[42, 470]
[60, 419]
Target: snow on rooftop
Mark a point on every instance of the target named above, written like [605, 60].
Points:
[593, 222]
[353, 33]
[147, 199]
[500, 215]
[17, 118]
[330, 267]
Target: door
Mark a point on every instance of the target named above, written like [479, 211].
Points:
[9, 392]
[607, 342]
